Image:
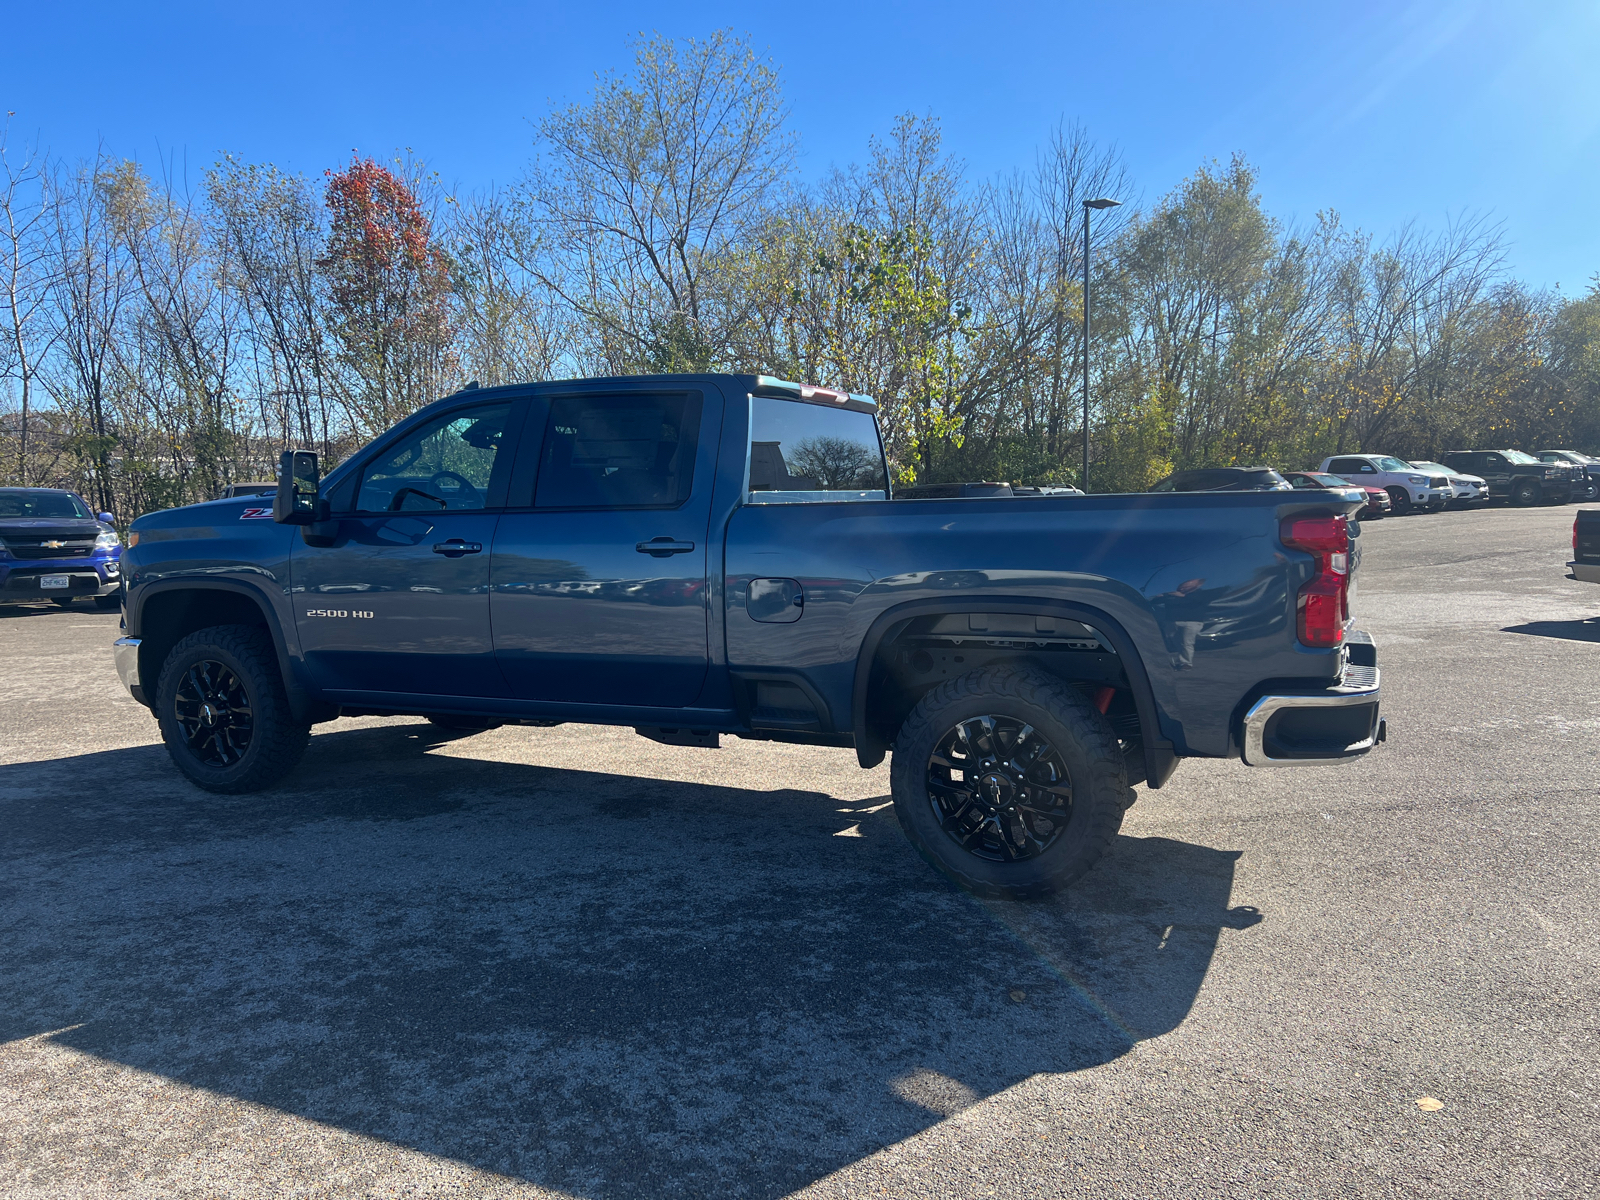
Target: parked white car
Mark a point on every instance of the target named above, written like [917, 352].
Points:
[1470, 490]
[1411, 490]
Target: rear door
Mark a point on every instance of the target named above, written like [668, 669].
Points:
[599, 588]
[400, 601]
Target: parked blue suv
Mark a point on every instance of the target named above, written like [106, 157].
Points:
[52, 547]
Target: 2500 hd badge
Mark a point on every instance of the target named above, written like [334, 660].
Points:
[336, 612]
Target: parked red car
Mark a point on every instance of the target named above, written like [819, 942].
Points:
[1378, 502]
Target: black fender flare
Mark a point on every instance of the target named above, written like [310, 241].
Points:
[1159, 755]
[304, 700]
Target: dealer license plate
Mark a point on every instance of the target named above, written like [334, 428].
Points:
[53, 581]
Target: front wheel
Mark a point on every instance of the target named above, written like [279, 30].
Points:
[1400, 501]
[223, 712]
[1009, 782]
[1526, 493]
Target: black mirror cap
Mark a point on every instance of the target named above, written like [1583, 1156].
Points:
[295, 502]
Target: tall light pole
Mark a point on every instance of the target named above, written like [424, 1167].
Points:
[1100, 202]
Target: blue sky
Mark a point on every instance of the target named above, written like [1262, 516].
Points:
[1384, 112]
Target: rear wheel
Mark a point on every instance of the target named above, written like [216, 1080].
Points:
[108, 603]
[1400, 501]
[1526, 493]
[1009, 782]
[223, 712]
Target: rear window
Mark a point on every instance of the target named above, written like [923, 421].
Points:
[804, 452]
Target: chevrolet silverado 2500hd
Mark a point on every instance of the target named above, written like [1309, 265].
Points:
[701, 555]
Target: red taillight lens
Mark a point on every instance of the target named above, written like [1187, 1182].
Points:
[1323, 602]
[1574, 537]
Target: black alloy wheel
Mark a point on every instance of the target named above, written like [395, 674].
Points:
[1400, 501]
[213, 711]
[1009, 781]
[224, 713]
[998, 788]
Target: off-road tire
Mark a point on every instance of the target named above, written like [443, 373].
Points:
[464, 724]
[1400, 499]
[1079, 733]
[1525, 493]
[277, 740]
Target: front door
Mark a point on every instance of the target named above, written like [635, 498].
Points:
[599, 578]
[400, 601]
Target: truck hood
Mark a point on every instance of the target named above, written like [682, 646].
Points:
[34, 528]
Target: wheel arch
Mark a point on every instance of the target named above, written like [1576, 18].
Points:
[169, 610]
[1159, 754]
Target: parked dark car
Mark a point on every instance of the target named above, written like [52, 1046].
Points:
[706, 555]
[247, 489]
[1224, 479]
[1585, 562]
[54, 547]
[1520, 478]
[1588, 464]
[1376, 501]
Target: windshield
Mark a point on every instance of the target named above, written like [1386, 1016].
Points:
[43, 504]
[1330, 480]
[1517, 456]
[1385, 463]
[1431, 466]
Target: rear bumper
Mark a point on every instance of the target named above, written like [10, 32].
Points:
[1318, 726]
[1585, 572]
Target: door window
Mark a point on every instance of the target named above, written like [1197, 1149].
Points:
[1351, 466]
[446, 464]
[618, 451]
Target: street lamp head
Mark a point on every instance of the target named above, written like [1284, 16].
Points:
[1102, 202]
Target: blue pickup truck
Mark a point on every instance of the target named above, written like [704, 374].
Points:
[706, 555]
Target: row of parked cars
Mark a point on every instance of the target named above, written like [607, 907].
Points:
[1389, 485]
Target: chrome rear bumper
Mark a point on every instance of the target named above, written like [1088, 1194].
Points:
[1318, 727]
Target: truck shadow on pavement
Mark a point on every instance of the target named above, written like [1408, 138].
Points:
[604, 984]
[1572, 631]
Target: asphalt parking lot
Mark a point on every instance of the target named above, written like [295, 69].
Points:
[574, 962]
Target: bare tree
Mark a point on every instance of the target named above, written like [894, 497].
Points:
[647, 187]
[25, 219]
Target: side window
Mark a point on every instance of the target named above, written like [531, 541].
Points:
[1349, 466]
[1302, 482]
[618, 451]
[800, 450]
[1493, 460]
[445, 464]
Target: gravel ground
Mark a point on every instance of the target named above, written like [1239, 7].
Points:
[573, 962]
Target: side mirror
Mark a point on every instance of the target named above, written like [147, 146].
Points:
[295, 502]
[106, 517]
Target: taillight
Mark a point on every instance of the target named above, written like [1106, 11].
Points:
[1574, 537]
[1324, 601]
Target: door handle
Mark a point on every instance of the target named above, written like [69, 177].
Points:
[664, 547]
[455, 548]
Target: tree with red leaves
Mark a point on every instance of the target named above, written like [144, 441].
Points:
[389, 288]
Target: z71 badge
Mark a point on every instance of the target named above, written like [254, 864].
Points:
[256, 514]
